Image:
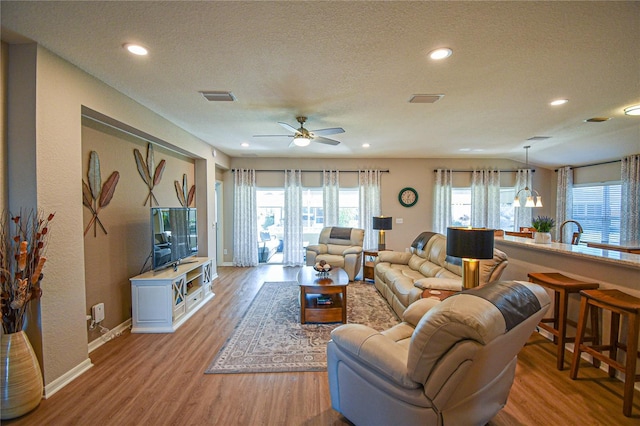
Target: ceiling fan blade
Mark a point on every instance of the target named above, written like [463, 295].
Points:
[327, 132]
[327, 141]
[272, 136]
[288, 127]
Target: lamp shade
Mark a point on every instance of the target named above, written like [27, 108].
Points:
[382, 222]
[470, 243]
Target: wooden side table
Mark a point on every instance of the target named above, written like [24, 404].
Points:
[368, 263]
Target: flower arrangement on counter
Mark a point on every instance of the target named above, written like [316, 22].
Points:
[543, 223]
[22, 242]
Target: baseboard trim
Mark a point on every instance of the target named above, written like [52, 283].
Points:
[95, 344]
[66, 378]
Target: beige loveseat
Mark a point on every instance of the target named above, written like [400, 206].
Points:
[401, 277]
[448, 363]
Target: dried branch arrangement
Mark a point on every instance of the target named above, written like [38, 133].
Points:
[95, 195]
[149, 173]
[22, 243]
[185, 195]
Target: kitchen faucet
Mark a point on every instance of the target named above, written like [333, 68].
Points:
[576, 235]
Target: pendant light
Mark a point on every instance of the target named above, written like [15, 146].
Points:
[529, 192]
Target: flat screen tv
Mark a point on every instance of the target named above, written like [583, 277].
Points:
[174, 235]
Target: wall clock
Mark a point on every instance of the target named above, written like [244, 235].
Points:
[408, 197]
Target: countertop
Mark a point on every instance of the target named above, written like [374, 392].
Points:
[608, 256]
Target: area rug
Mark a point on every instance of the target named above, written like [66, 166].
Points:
[270, 338]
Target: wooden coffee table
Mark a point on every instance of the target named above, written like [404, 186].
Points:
[333, 286]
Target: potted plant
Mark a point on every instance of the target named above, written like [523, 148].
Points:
[22, 243]
[543, 226]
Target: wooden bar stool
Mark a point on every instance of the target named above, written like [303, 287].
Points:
[562, 286]
[618, 303]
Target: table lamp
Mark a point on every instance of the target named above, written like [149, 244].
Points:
[381, 223]
[470, 244]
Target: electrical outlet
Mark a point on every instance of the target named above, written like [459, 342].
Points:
[225, 251]
[97, 312]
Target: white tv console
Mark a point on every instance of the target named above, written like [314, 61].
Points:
[161, 301]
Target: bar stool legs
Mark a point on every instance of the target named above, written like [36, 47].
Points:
[618, 303]
[563, 286]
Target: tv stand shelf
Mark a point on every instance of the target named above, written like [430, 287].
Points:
[161, 301]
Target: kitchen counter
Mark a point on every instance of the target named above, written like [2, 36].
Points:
[610, 268]
[613, 257]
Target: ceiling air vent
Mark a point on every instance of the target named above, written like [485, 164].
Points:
[539, 138]
[597, 119]
[218, 96]
[425, 99]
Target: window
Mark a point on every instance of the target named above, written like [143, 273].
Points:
[461, 207]
[597, 208]
[270, 207]
[349, 209]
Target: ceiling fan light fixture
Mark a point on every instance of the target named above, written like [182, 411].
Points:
[301, 141]
[632, 110]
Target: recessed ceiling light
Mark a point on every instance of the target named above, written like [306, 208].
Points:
[244, 145]
[559, 102]
[632, 110]
[441, 53]
[365, 145]
[464, 149]
[136, 49]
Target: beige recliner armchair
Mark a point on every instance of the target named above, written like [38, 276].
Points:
[340, 247]
[448, 363]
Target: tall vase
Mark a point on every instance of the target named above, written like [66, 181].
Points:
[21, 386]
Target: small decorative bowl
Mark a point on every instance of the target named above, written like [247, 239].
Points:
[321, 271]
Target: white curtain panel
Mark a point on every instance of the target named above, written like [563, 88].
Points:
[630, 215]
[522, 215]
[245, 219]
[331, 197]
[564, 203]
[442, 201]
[292, 250]
[369, 182]
[485, 199]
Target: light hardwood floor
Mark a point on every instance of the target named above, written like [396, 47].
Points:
[158, 379]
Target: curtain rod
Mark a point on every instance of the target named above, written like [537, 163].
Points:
[471, 171]
[591, 165]
[310, 171]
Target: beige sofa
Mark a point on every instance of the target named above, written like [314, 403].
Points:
[401, 277]
[447, 363]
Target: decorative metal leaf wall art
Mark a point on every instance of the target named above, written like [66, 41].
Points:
[95, 195]
[185, 195]
[150, 174]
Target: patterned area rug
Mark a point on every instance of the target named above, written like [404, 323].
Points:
[270, 338]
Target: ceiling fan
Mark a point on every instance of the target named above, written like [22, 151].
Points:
[303, 137]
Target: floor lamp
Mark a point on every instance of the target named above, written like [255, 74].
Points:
[472, 245]
[381, 223]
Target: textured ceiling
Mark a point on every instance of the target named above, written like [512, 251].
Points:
[356, 64]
